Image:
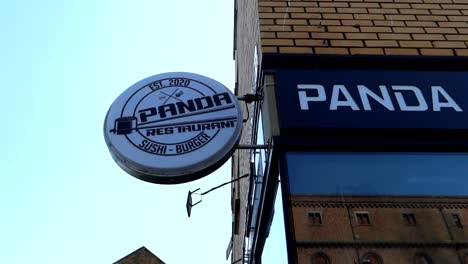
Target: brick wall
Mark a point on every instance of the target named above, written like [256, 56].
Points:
[370, 27]
[343, 239]
[388, 255]
[335, 227]
[352, 27]
[387, 224]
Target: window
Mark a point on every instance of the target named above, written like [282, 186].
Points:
[422, 258]
[362, 218]
[371, 258]
[315, 218]
[457, 220]
[354, 173]
[320, 258]
[409, 218]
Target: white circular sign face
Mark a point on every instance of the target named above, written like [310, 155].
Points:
[173, 127]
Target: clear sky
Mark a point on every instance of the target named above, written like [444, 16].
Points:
[62, 197]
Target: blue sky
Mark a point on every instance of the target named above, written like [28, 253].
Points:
[63, 199]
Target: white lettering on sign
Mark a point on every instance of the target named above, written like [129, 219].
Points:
[304, 99]
[173, 127]
[335, 101]
[421, 106]
[341, 98]
[436, 90]
[385, 100]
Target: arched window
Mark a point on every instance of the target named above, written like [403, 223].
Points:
[371, 258]
[320, 258]
[422, 258]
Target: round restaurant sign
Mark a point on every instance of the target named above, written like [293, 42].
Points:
[173, 127]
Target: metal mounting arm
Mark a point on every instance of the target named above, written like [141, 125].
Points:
[249, 98]
[190, 204]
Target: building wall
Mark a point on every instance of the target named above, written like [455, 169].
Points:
[140, 256]
[246, 39]
[388, 235]
[337, 228]
[347, 255]
[349, 27]
[371, 27]
[458, 234]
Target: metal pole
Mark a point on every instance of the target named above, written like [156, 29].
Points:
[221, 185]
[241, 146]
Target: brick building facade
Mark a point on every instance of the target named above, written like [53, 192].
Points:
[393, 230]
[371, 27]
[352, 229]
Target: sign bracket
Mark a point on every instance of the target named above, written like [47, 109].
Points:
[189, 203]
[242, 146]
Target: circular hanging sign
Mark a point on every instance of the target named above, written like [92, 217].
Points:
[173, 127]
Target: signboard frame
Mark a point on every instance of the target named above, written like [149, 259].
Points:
[173, 127]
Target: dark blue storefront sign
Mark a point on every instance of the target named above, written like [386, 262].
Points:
[398, 114]
[365, 127]
[377, 99]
